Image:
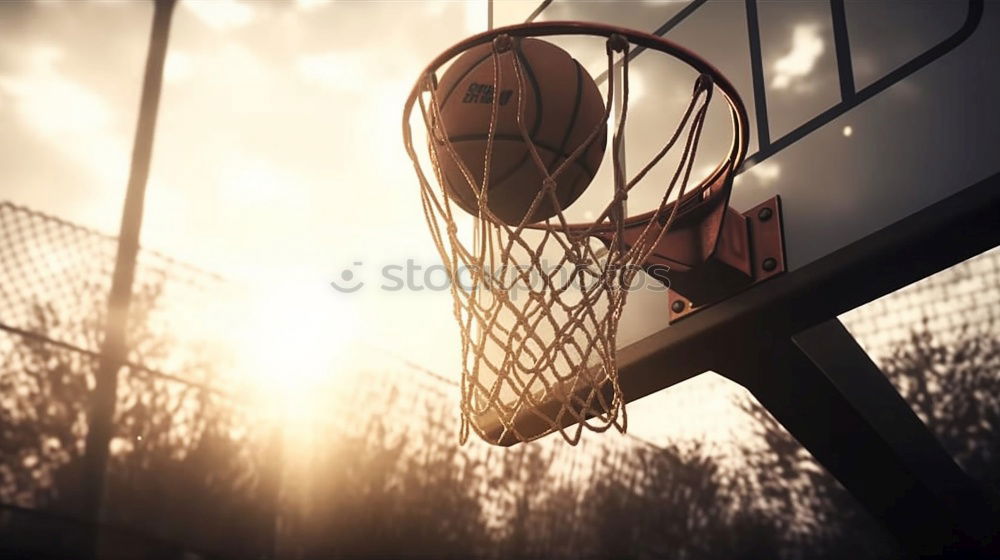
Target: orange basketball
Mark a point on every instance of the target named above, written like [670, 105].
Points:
[561, 108]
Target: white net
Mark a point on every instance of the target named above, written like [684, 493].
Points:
[538, 304]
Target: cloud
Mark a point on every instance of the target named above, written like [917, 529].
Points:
[252, 181]
[807, 46]
[221, 15]
[72, 118]
[343, 71]
[40, 93]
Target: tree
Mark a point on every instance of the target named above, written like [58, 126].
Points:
[185, 466]
[953, 386]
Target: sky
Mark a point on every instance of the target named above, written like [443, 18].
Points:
[279, 163]
[278, 158]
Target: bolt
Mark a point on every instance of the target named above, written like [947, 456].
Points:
[617, 43]
[769, 264]
[765, 214]
[677, 306]
[502, 43]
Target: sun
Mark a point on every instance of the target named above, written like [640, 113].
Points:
[291, 343]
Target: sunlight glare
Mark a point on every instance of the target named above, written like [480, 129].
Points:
[179, 67]
[291, 344]
[342, 71]
[766, 172]
[248, 182]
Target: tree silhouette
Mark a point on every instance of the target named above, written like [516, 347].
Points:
[378, 491]
[185, 467]
[816, 515]
[191, 469]
[953, 386]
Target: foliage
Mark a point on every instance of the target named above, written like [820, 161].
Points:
[190, 466]
[176, 471]
[953, 386]
[955, 389]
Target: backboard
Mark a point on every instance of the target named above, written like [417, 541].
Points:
[876, 124]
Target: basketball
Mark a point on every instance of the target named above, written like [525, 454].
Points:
[562, 106]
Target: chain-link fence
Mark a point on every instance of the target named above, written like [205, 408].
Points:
[188, 465]
[956, 302]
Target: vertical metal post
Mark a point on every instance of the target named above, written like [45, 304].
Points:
[113, 351]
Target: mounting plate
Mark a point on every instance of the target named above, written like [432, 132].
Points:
[767, 256]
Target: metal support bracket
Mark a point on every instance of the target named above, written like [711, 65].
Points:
[725, 273]
[831, 397]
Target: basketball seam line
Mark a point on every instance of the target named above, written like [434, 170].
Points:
[530, 74]
[539, 109]
[539, 112]
[462, 77]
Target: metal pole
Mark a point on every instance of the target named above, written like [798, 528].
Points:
[114, 347]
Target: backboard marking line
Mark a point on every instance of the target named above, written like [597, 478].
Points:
[660, 32]
[538, 11]
[766, 148]
[973, 17]
[842, 45]
[757, 72]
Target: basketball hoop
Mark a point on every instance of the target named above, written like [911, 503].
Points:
[539, 310]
